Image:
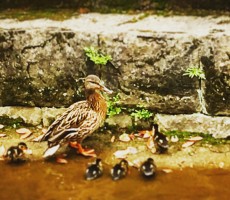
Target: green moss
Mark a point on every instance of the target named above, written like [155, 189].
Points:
[207, 138]
[17, 122]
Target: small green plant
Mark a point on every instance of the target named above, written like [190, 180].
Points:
[113, 109]
[140, 113]
[96, 57]
[194, 72]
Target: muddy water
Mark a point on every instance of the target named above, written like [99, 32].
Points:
[48, 180]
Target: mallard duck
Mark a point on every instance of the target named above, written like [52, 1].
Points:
[15, 153]
[94, 170]
[120, 170]
[148, 168]
[160, 140]
[80, 120]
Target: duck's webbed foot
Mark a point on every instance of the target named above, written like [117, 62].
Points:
[82, 151]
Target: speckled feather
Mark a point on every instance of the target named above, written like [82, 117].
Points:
[78, 121]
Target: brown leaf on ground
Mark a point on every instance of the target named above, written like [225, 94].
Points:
[61, 160]
[188, 144]
[195, 139]
[23, 131]
[112, 139]
[26, 135]
[124, 137]
[2, 135]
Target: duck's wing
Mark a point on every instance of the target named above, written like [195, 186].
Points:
[73, 117]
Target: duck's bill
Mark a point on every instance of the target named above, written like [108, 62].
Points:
[105, 89]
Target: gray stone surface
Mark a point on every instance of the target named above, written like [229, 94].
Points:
[219, 127]
[40, 61]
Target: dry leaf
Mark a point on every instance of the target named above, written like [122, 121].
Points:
[1, 126]
[150, 143]
[132, 136]
[188, 144]
[26, 135]
[44, 130]
[2, 135]
[167, 170]
[135, 163]
[23, 131]
[61, 160]
[37, 139]
[145, 134]
[124, 137]
[131, 150]
[124, 153]
[174, 138]
[120, 153]
[112, 139]
[195, 139]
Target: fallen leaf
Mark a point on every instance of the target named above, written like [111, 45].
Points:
[26, 135]
[132, 136]
[195, 139]
[61, 160]
[1, 126]
[44, 130]
[2, 151]
[145, 133]
[135, 163]
[124, 137]
[23, 131]
[132, 150]
[167, 170]
[2, 135]
[150, 143]
[125, 152]
[153, 150]
[174, 138]
[188, 144]
[37, 139]
[112, 139]
[121, 153]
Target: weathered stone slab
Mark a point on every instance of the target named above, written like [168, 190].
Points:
[219, 127]
[32, 116]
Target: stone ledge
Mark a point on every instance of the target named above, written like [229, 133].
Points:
[219, 127]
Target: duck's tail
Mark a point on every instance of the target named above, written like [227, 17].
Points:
[51, 150]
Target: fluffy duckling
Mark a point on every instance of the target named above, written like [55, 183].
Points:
[120, 170]
[94, 170]
[160, 140]
[15, 153]
[148, 168]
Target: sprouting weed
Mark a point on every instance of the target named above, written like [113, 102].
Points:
[97, 57]
[195, 72]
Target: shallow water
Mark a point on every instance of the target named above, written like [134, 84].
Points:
[49, 180]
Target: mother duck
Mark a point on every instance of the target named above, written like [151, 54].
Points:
[80, 120]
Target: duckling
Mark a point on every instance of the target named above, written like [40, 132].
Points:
[120, 170]
[160, 140]
[148, 168]
[15, 153]
[94, 170]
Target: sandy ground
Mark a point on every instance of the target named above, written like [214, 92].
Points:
[177, 157]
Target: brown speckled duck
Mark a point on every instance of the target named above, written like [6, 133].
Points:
[80, 120]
